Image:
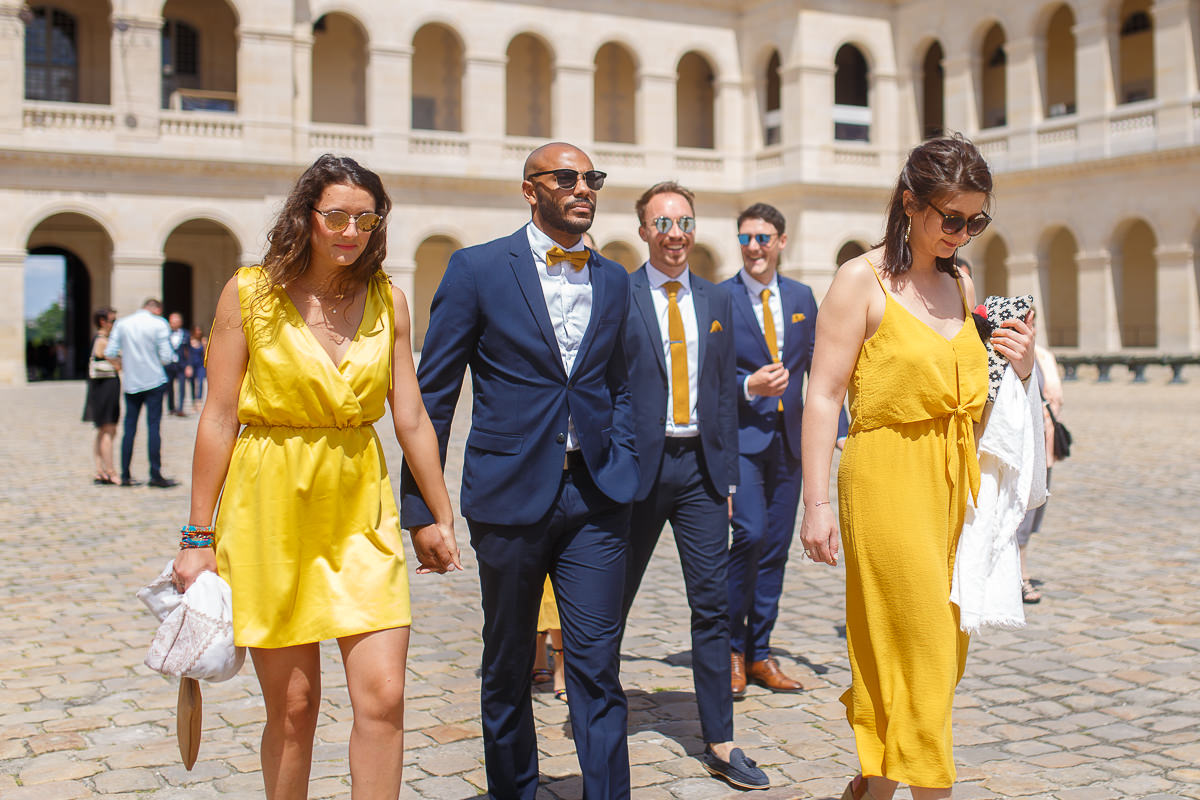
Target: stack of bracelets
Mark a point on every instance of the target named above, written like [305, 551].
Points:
[196, 536]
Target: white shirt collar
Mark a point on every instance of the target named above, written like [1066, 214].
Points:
[541, 244]
[658, 277]
[755, 287]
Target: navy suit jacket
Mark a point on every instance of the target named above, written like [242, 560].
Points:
[489, 313]
[716, 381]
[758, 418]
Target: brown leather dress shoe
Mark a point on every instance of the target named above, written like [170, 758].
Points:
[767, 673]
[737, 674]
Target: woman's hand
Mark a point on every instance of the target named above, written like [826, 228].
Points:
[819, 533]
[1014, 340]
[436, 548]
[189, 564]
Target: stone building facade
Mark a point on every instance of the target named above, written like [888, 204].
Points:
[149, 144]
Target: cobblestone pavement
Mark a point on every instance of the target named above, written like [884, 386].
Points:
[1098, 698]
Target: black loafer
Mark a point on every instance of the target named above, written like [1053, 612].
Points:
[740, 771]
[130, 482]
[162, 483]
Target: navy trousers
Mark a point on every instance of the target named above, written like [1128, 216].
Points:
[764, 516]
[581, 544]
[699, 519]
[152, 399]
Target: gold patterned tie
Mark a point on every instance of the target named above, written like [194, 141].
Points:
[769, 330]
[578, 258]
[681, 406]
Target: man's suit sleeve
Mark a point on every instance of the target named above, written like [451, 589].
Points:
[624, 436]
[450, 342]
[731, 391]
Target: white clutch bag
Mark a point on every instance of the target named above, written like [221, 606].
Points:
[195, 639]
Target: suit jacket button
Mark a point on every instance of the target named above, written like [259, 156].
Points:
[562, 437]
[662, 420]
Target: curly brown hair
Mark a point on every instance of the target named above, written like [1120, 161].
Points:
[290, 238]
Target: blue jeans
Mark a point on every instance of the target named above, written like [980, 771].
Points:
[152, 399]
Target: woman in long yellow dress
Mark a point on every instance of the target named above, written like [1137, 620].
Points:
[895, 331]
[305, 350]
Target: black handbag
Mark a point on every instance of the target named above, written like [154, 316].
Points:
[1062, 437]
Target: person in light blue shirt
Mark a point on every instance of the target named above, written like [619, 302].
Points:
[139, 347]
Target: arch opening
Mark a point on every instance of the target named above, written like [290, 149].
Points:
[851, 86]
[993, 110]
[199, 256]
[1061, 290]
[615, 93]
[1135, 53]
[849, 250]
[695, 102]
[339, 71]
[432, 256]
[933, 92]
[1135, 273]
[68, 52]
[772, 121]
[994, 280]
[623, 253]
[703, 262]
[199, 56]
[437, 79]
[1058, 86]
[528, 79]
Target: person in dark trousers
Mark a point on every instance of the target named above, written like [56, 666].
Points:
[679, 342]
[550, 467]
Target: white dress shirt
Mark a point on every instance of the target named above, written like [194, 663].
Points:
[687, 310]
[143, 343]
[754, 289]
[568, 295]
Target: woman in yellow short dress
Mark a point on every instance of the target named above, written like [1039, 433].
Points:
[895, 330]
[304, 353]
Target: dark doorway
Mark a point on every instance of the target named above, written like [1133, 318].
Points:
[177, 290]
[56, 346]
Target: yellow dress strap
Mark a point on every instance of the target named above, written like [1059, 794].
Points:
[384, 282]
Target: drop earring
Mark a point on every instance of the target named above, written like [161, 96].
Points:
[907, 229]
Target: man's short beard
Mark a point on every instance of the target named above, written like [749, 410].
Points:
[549, 211]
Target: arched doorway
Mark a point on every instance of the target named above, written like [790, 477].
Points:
[431, 258]
[1135, 52]
[772, 95]
[702, 262]
[68, 52]
[1059, 86]
[933, 92]
[624, 254]
[1135, 275]
[528, 77]
[994, 280]
[695, 102]
[993, 110]
[199, 256]
[437, 78]
[339, 70]
[851, 103]
[199, 56]
[849, 250]
[1061, 290]
[615, 90]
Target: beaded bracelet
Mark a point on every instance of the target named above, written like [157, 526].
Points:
[193, 536]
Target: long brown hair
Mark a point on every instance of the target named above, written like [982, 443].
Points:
[935, 168]
[290, 238]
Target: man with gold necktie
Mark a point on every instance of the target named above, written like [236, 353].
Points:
[549, 468]
[775, 322]
[679, 345]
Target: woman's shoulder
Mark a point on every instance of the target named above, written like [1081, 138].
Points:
[861, 270]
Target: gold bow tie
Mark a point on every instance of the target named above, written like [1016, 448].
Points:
[578, 258]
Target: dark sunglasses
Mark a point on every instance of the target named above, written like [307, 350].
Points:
[568, 178]
[338, 220]
[953, 223]
[763, 239]
[664, 224]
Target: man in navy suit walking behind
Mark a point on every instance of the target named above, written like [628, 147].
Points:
[775, 322]
[681, 371]
[549, 469]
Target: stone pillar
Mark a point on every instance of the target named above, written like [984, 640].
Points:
[302, 47]
[389, 90]
[12, 75]
[484, 101]
[12, 323]
[815, 120]
[729, 134]
[135, 277]
[960, 109]
[136, 76]
[1022, 94]
[884, 97]
[573, 103]
[1094, 81]
[1174, 71]
[403, 272]
[1178, 299]
[1099, 328]
[264, 57]
[656, 113]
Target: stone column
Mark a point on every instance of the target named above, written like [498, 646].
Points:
[1022, 95]
[1178, 299]
[135, 277]
[12, 74]
[1094, 81]
[302, 47]
[12, 323]
[816, 116]
[1099, 329]
[264, 56]
[389, 90]
[1174, 71]
[729, 134]
[656, 113]
[484, 102]
[136, 76]
[573, 102]
[884, 97]
[960, 109]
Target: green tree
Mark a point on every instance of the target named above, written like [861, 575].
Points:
[47, 327]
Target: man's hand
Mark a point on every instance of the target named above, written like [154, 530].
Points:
[436, 549]
[768, 381]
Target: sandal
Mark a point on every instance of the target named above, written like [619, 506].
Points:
[560, 694]
[1029, 593]
[542, 675]
[857, 789]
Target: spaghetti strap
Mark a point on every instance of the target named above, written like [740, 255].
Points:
[963, 295]
[875, 272]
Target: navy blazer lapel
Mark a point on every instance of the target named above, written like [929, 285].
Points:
[645, 306]
[703, 317]
[741, 299]
[521, 261]
[600, 290]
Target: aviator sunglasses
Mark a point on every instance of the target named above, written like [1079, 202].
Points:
[338, 220]
[763, 239]
[953, 223]
[663, 224]
[568, 178]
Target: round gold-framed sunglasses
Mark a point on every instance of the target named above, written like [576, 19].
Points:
[337, 220]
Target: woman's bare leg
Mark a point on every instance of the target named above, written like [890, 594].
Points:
[104, 450]
[375, 664]
[291, 684]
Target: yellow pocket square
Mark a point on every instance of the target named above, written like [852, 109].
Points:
[715, 327]
[797, 318]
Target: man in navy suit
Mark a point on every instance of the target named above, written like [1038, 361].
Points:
[550, 467]
[775, 322]
[681, 372]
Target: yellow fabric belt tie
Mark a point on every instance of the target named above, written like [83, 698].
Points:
[769, 331]
[578, 258]
[960, 448]
[681, 406]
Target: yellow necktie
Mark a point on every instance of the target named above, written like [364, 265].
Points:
[681, 406]
[578, 258]
[769, 330]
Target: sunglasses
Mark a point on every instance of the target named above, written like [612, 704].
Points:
[338, 220]
[569, 178]
[953, 223]
[664, 224]
[763, 239]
